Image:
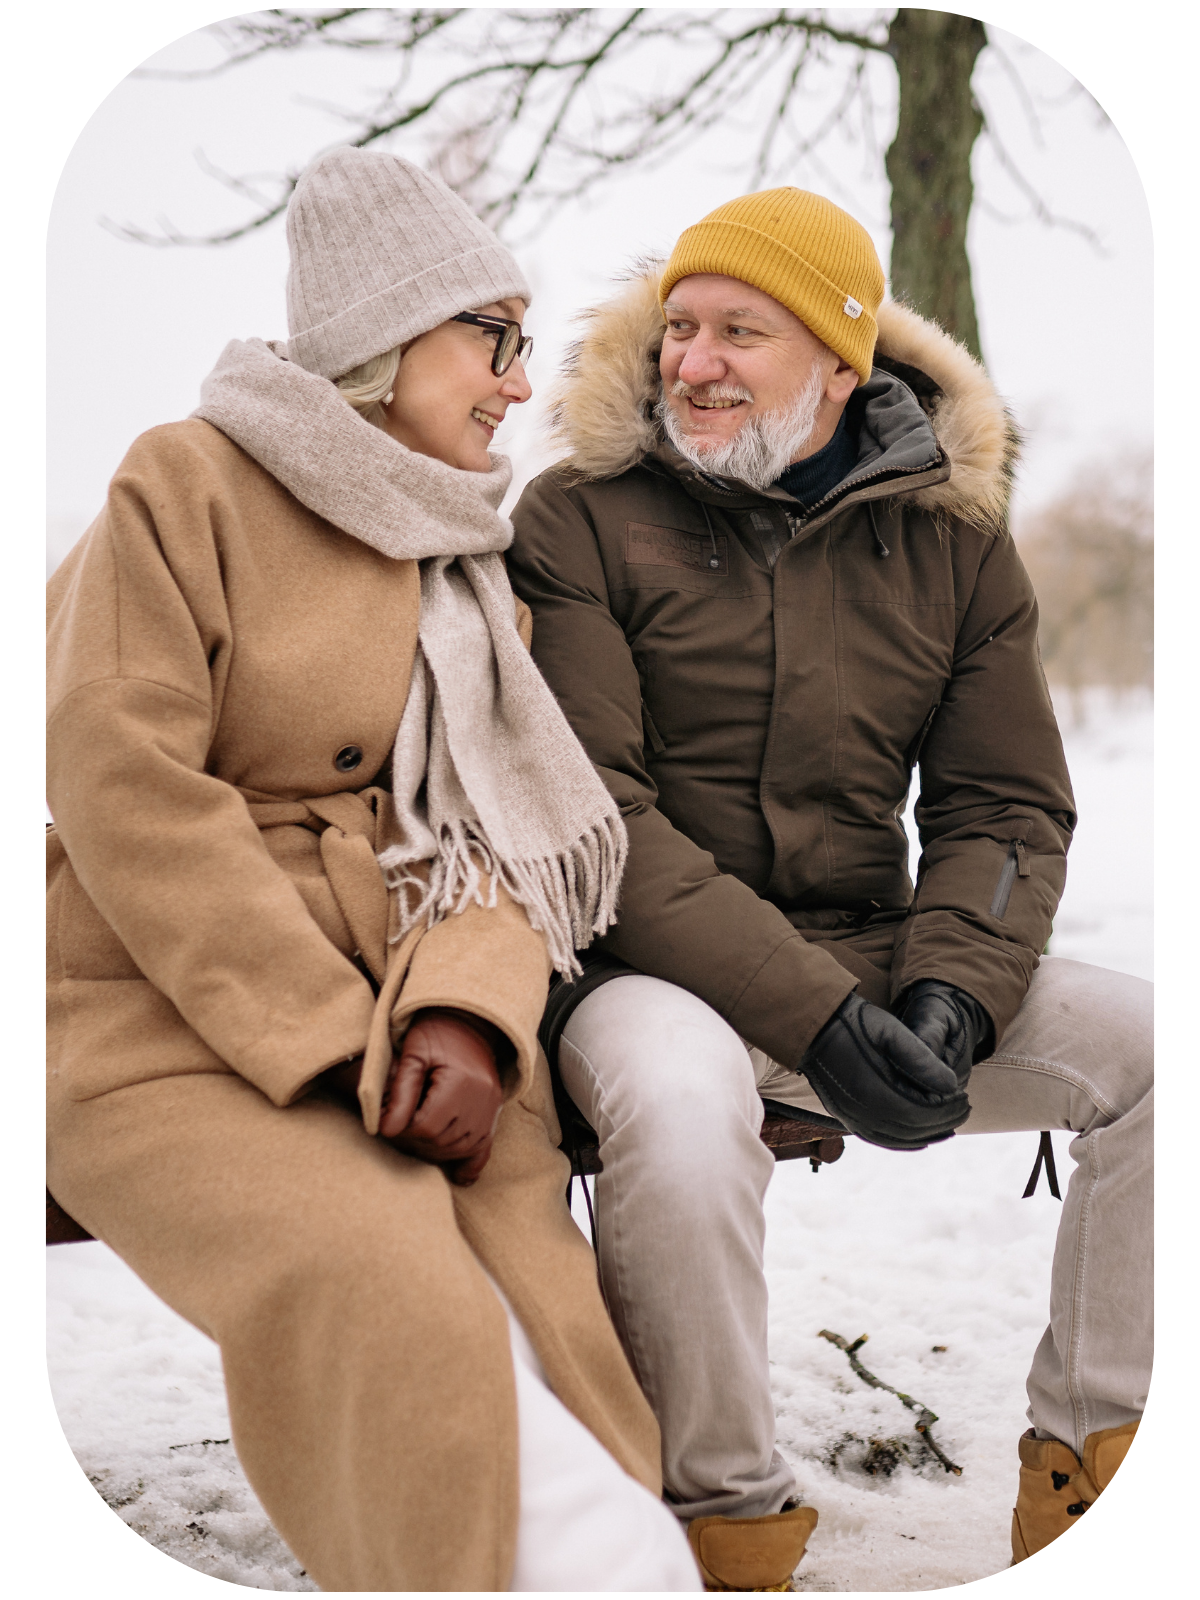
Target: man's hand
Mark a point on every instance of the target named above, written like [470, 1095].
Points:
[881, 1081]
[951, 1022]
[443, 1098]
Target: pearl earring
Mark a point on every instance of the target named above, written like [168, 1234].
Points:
[389, 397]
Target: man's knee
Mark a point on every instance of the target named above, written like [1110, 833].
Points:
[642, 1052]
[1097, 1021]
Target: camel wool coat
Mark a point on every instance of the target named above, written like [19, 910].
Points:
[227, 675]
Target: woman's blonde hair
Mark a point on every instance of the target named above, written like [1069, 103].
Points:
[368, 386]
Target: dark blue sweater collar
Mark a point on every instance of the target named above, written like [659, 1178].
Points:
[810, 480]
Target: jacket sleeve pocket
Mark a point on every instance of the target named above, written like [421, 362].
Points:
[1016, 865]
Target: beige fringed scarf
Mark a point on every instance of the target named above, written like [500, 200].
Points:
[489, 781]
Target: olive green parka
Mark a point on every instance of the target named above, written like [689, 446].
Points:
[757, 683]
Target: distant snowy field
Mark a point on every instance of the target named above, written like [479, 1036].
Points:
[916, 1251]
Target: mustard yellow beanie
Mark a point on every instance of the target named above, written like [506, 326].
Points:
[803, 251]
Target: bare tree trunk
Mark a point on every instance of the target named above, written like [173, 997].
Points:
[929, 166]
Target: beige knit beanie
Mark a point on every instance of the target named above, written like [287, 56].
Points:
[381, 252]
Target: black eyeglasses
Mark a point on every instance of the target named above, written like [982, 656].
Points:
[510, 342]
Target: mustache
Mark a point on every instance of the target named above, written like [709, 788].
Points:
[762, 446]
[709, 391]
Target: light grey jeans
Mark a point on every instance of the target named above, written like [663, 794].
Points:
[674, 1095]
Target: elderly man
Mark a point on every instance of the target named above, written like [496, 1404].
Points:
[771, 577]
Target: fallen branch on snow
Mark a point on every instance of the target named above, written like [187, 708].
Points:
[925, 1417]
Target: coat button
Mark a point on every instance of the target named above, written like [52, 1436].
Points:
[347, 758]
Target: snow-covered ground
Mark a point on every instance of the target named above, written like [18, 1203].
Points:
[936, 1250]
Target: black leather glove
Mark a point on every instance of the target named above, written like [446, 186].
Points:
[951, 1022]
[878, 1079]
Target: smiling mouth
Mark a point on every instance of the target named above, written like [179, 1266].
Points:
[486, 418]
[714, 405]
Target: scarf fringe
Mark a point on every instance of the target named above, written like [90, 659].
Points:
[568, 898]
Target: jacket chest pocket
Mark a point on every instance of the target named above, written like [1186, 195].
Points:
[648, 545]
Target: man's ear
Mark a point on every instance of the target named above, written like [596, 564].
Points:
[842, 383]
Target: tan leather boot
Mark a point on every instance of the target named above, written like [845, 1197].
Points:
[751, 1553]
[1056, 1488]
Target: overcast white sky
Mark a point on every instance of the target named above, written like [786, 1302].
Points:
[133, 330]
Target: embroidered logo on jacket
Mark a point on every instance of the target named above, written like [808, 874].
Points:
[649, 546]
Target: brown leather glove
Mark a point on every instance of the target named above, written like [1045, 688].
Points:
[443, 1096]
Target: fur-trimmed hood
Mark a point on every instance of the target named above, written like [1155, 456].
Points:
[602, 406]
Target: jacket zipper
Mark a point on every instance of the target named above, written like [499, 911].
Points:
[845, 490]
[830, 501]
[1016, 865]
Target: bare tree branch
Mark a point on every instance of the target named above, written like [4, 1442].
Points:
[1037, 204]
[1023, 94]
[925, 1417]
[779, 114]
[505, 64]
[291, 30]
[524, 110]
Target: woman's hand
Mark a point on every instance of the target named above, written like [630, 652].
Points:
[443, 1096]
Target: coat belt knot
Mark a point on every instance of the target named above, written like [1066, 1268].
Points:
[352, 829]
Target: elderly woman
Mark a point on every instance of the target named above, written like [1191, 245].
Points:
[321, 835]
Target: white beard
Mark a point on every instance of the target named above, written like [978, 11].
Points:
[762, 448]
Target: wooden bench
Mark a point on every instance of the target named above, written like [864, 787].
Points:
[60, 1228]
[788, 1134]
